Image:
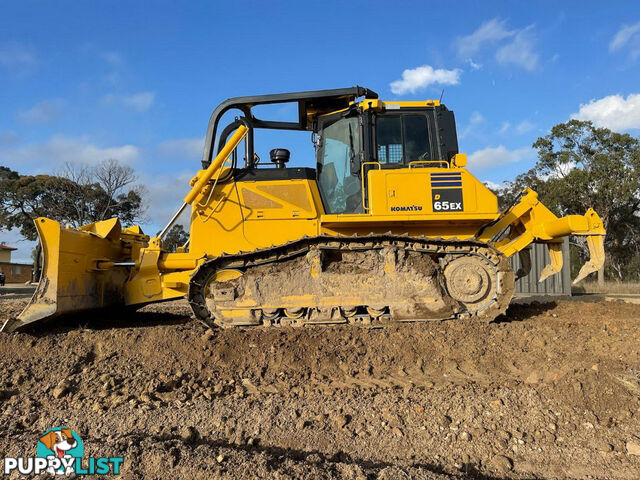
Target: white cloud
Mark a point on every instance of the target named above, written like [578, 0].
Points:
[188, 148]
[164, 194]
[475, 121]
[45, 157]
[627, 35]
[16, 57]
[421, 77]
[614, 112]
[140, 102]
[493, 185]
[514, 47]
[520, 129]
[520, 51]
[524, 127]
[45, 111]
[488, 33]
[496, 156]
[474, 66]
[113, 58]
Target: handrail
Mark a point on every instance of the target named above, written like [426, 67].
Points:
[217, 163]
[440, 162]
[199, 184]
[362, 181]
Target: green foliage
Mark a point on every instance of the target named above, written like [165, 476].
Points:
[77, 197]
[175, 237]
[581, 166]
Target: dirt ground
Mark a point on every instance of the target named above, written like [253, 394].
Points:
[550, 391]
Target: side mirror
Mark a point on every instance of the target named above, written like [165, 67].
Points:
[460, 160]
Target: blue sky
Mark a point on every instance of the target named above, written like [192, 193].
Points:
[83, 81]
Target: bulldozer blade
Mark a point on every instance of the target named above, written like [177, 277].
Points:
[77, 271]
[596, 260]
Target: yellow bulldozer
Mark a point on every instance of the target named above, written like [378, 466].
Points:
[389, 227]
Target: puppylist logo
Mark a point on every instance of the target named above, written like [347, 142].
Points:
[60, 452]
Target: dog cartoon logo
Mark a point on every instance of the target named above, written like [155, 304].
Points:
[63, 444]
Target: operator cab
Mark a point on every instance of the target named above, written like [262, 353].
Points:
[350, 138]
[375, 135]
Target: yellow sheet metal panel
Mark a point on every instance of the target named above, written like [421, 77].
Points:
[278, 200]
[439, 193]
[216, 222]
[246, 216]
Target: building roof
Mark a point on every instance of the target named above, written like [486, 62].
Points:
[6, 247]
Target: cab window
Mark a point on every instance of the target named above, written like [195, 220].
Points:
[340, 189]
[402, 139]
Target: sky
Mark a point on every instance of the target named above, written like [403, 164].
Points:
[84, 81]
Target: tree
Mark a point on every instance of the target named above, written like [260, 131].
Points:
[581, 166]
[77, 196]
[175, 237]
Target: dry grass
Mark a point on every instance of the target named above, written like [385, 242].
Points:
[608, 287]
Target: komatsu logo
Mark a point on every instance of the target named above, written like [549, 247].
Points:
[408, 208]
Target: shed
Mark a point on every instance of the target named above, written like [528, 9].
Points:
[559, 284]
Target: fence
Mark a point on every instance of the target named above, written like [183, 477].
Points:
[559, 284]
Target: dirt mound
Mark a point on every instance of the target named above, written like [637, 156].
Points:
[549, 391]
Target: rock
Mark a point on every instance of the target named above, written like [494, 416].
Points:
[501, 463]
[391, 473]
[339, 420]
[532, 378]
[146, 398]
[605, 447]
[301, 424]
[220, 458]
[444, 421]
[466, 436]
[61, 390]
[240, 437]
[208, 335]
[251, 388]
[188, 434]
[633, 447]
[397, 432]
